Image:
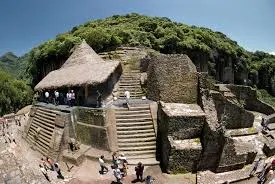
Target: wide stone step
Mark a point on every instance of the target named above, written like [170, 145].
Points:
[131, 144]
[136, 90]
[46, 113]
[132, 140]
[47, 110]
[138, 148]
[49, 118]
[129, 84]
[133, 108]
[134, 124]
[142, 152]
[141, 127]
[126, 132]
[126, 112]
[145, 161]
[140, 135]
[131, 116]
[43, 119]
[134, 119]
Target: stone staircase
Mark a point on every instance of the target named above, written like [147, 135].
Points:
[136, 134]
[44, 119]
[130, 81]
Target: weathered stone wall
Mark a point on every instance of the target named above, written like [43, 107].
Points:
[172, 79]
[233, 115]
[178, 124]
[236, 155]
[248, 96]
[96, 127]
[184, 155]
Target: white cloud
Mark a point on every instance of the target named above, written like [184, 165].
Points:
[273, 53]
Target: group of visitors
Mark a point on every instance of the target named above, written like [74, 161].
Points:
[120, 168]
[265, 171]
[48, 165]
[56, 98]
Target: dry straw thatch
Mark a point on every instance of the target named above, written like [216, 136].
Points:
[83, 67]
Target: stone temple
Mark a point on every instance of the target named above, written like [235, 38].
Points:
[187, 123]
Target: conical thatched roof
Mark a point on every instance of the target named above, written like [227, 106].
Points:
[83, 67]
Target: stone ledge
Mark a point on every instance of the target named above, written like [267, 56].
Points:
[179, 109]
[77, 157]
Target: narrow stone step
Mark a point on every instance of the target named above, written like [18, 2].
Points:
[134, 119]
[132, 140]
[133, 108]
[130, 144]
[142, 127]
[131, 116]
[134, 124]
[138, 148]
[143, 152]
[129, 84]
[140, 135]
[126, 132]
[131, 90]
[50, 123]
[132, 112]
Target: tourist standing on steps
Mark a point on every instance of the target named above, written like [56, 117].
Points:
[139, 171]
[127, 97]
[58, 171]
[44, 172]
[47, 95]
[56, 97]
[102, 165]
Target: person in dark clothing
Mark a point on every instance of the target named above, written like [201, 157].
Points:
[255, 167]
[99, 99]
[139, 171]
[58, 171]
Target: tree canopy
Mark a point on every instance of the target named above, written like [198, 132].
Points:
[161, 34]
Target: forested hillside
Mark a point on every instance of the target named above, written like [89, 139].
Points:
[14, 94]
[16, 66]
[161, 34]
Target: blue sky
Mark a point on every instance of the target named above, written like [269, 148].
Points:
[27, 23]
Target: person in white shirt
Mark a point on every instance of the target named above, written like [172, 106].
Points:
[47, 95]
[127, 96]
[72, 98]
[102, 165]
[56, 95]
[117, 174]
[69, 98]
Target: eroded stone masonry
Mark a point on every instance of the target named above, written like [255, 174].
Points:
[187, 123]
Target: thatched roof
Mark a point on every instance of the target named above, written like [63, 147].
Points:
[83, 67]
